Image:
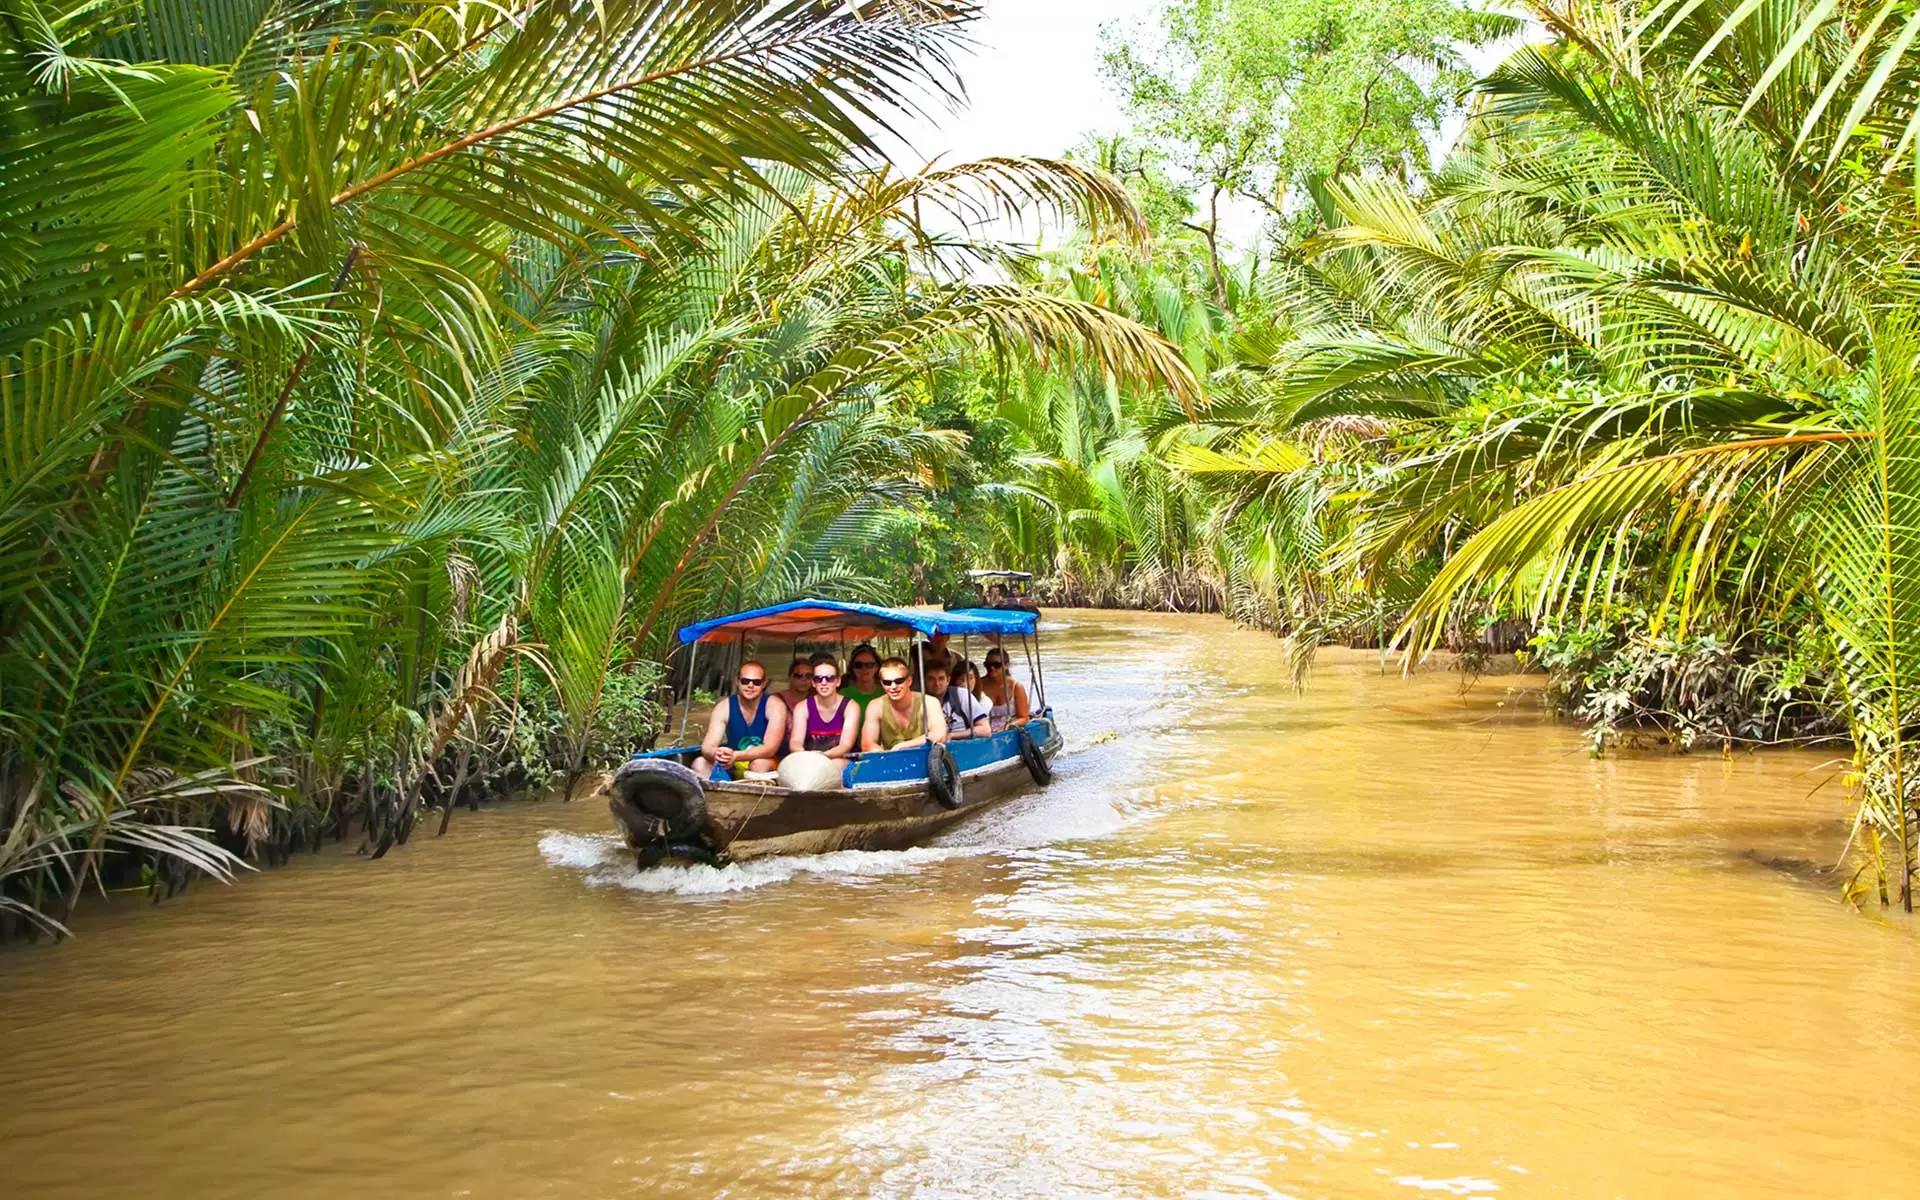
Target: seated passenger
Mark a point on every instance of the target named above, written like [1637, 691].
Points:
[826, 722]
[1006, 698]
[965, 714]
[924, 654]
[902, 718]
[799, 684]
[746, 730]
[860, 682]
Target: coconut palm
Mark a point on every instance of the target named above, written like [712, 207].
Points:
[1648, 341]
[351, 358]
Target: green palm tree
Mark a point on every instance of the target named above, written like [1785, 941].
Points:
[1648, 340]
[350, 355]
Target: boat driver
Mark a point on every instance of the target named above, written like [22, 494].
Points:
[901, 719]
[746, 729]
[965, 713]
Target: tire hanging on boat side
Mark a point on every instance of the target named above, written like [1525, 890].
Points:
[943, 777]
[1037, 764]
[661, 798]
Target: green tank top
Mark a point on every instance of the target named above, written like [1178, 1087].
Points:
[894, 730]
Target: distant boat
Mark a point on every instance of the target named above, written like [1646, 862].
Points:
[887, 800]
[1002, 591]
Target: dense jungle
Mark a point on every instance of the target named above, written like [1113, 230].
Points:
[381, 384]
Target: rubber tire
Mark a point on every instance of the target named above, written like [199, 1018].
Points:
[664, 789]
[1037, 764]
[943, 778]
[655, 853]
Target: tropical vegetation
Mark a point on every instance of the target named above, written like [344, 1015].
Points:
[380, 386]
[1628, 370]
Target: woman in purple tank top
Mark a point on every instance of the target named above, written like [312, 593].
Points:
[826, 722]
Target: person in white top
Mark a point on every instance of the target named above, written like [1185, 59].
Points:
[966, 712]
[1006, 698]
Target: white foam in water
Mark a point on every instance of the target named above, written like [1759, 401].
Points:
[608, 863]
[577, 851]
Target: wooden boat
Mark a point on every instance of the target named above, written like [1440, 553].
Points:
[888, 800]
[999, 590]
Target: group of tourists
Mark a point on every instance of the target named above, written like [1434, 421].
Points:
[877, 705]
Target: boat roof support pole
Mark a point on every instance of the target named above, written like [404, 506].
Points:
[920, 655]
[686, 709]
[1033, 676]
[1040, 666]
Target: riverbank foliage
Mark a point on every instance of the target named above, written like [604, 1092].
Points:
[1630, 364]
[379, 387]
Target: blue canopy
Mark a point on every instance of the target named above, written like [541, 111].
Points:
[804, 620]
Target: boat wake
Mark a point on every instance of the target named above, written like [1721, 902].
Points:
[606, 862]
[1089, 799]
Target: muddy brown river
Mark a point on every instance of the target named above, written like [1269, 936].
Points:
[1383, 939]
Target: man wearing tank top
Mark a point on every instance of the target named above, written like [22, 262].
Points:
[746, 731]
[902, 719]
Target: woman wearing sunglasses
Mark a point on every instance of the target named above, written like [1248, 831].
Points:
[746, 730]
[799, 684]
[862, 682]
[825, 722]
[1004, 694]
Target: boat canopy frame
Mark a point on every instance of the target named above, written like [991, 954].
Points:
[802, 620]
[991, 573]
[810, 620]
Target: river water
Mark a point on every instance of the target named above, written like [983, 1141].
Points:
[1383, 939]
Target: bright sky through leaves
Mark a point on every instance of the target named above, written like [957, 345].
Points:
[1033, 84]
[1034, 87]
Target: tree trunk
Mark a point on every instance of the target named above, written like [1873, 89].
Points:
[459, 782]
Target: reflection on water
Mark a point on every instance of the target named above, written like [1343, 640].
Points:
[1381, 939]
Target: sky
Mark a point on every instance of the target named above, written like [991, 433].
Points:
[1033, 82]
[1034, 88]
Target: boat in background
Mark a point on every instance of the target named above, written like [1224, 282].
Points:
[1000, 591]
[886, 800]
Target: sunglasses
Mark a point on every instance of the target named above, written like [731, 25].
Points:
[900, 682]
[825, 678]
[747, 681]
[994, 665]
[864, 666]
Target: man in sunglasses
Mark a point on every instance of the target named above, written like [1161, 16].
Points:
[746, 729]
[901, 718]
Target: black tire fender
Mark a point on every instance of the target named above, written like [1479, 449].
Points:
[1030, 754]
[943, 777]
[659, 797]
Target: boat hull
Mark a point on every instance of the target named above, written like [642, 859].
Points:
[881, 811]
